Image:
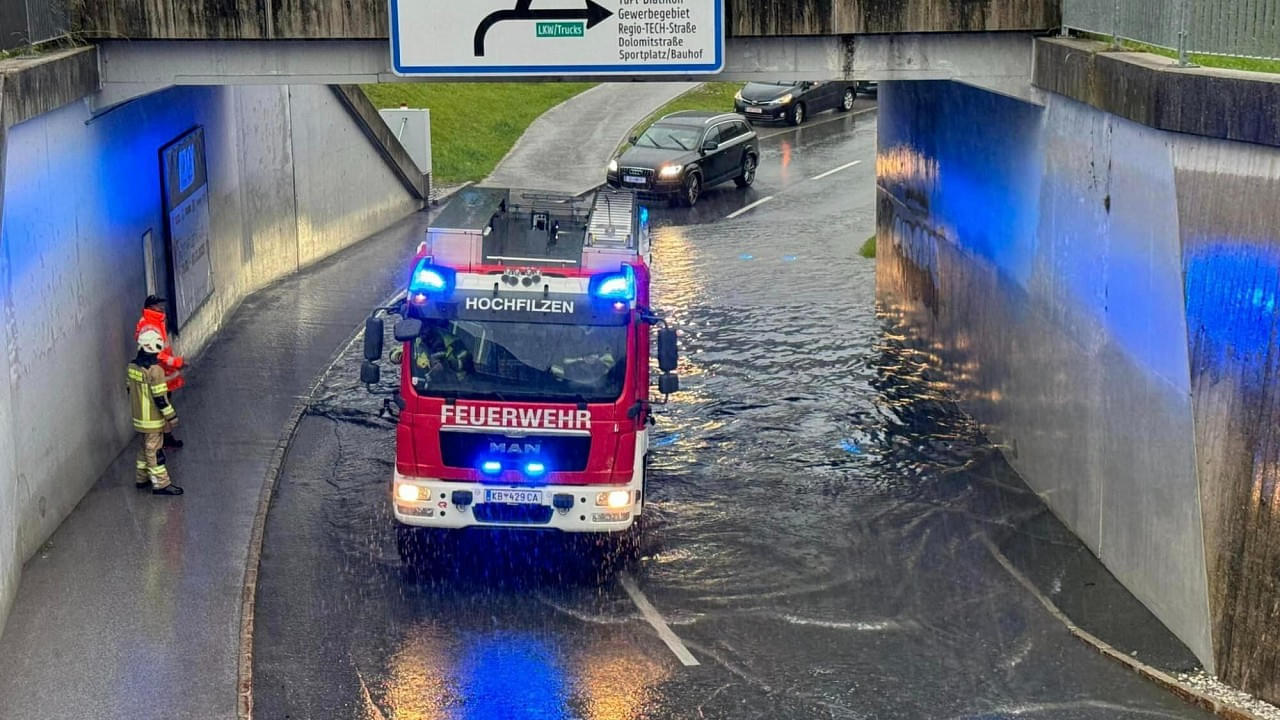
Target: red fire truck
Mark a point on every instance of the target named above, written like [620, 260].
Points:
[524, 347]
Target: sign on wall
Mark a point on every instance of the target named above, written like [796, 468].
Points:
[186, 203]
[557, 37]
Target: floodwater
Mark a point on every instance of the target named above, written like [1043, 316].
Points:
[826, 535]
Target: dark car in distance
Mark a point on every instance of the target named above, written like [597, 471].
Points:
[793, 102]
[684, 153]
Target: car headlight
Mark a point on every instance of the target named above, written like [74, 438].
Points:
[785, 99]
[613, 165]
[738, 96]
[671, 171]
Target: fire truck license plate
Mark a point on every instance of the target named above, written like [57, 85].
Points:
[518, 497]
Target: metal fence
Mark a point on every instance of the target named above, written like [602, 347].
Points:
[29, 22]
[1246, 28]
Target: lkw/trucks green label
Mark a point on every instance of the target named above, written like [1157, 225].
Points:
[561, 29]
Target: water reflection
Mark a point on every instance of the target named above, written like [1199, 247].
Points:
[436, 675]
[816, 512]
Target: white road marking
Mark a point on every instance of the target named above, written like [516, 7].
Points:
[833, 172]
[752, 206]
[655, 619]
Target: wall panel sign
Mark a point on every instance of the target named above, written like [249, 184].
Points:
[186, 203]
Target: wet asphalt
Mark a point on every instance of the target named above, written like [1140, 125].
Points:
[822, 532]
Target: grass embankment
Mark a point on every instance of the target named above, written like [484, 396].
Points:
[1210, 61]
[474, 125]
[868, 249]
[715, 97]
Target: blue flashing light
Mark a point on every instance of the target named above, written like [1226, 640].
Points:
[644, 215]
[431, 279]
[491, 467]
[428, 280]
[615, 286]
[534, 469]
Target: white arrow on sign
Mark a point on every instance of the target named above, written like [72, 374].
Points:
[561, 38]
[593, 13]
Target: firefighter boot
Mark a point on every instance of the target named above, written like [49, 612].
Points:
[171, 442]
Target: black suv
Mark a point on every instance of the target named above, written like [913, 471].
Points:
[685, 152]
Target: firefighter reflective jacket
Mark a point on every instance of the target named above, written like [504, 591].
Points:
[149, 395]
[171, 363]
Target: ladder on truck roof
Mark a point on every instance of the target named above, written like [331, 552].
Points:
[617, 232]
[613, 220]
[541, 229]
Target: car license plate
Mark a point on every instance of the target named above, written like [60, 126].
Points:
[636, 180]
[756, 110]
[515, 497]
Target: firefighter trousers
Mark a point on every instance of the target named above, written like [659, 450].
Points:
[150, 462]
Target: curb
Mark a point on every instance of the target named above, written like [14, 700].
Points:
[1186, 693]
[253, 562]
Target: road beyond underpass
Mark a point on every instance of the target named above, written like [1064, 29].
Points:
[823, 529]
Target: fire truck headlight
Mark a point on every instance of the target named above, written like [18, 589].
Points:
[408, 493]
[613, 499]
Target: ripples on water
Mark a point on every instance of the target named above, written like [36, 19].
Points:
[800, 417]
[811, 483]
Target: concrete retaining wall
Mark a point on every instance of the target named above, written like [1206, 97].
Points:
[292, 179]
[1038, 250]
[1101, 296]
[1230, 226]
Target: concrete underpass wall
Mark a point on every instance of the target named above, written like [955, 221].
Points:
[292, 179]
[1037, 252]
[1230, 223]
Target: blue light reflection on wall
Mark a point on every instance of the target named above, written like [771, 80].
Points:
[69, 182]
[509, 675]
[969, 158]
[1233, 289]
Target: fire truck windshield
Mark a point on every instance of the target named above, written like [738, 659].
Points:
[519, 361]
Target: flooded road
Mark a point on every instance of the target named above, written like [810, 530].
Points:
[824, 533]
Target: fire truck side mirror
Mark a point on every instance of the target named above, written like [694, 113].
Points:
[370, 373]
[669, 383]
[373, 329]
[668, 354]
[408, 330]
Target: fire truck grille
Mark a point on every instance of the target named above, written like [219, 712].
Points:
[559, 453]
[522, 514]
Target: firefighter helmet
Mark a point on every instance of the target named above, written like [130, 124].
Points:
[150, 341]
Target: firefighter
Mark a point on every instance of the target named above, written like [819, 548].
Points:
[153, 317]
[440, 351]
[589, 368]
[152, 413]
